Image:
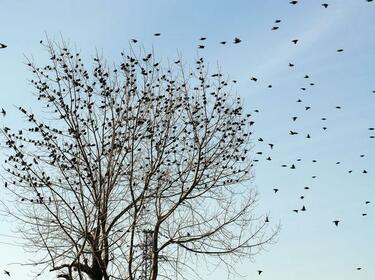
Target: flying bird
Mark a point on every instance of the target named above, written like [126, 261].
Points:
[157, 34]
[7, 272]
[3, 112]
[325, 5]
[237, 40]
[336, 222]
[2, 46]
[293, 2]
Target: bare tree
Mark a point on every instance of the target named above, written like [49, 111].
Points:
[132, 171]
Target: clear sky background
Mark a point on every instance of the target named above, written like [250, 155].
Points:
[309, 246]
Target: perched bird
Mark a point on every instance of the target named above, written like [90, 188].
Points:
[291, 64]
[336, 222]
[303, 208]
[325, 5]
[260, 271]
[2, 46]
[134, 40]
[267, 220]
[237, 40]
[293, 166]
[294, 118]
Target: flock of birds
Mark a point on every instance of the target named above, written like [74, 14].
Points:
[255, 79]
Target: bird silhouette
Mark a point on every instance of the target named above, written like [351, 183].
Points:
[7, 272]
[295, 41]
[336, 222]
[3, 112]
[237, 40]
[325, 5]
[3, 46]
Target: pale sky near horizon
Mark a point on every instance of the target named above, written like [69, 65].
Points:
[309, 246]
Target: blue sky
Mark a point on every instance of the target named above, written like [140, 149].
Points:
[309, 245]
